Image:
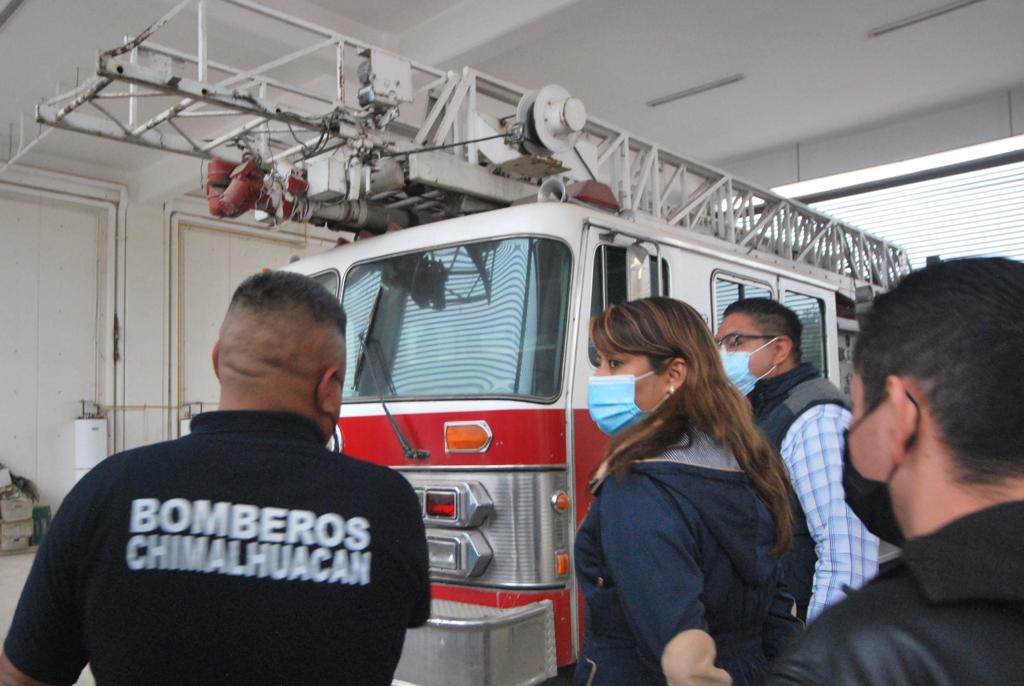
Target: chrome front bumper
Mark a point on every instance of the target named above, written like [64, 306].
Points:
[474, 645]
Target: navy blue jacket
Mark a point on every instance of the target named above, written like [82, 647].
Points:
[675, 546]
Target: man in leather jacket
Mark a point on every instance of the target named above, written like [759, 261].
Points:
[938, 399]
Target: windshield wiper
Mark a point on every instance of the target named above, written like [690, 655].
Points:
[371, 318]
[410, 451]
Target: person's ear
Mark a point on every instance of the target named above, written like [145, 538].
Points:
[677, 372]
[904, 420]
[328, 391]
[782, 348]
[216, 359]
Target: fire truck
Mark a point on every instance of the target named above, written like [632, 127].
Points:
[483, 225]
[467, 370]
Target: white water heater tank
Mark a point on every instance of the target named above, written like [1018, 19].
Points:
[90, 444]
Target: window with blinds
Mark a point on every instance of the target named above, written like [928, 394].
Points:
[478, 319]
[729, 289]
[811, 312]
[971, 214]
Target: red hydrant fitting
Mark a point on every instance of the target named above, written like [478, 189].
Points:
[233, 190]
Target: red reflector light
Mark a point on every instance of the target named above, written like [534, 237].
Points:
[442, 504]
[593, 192]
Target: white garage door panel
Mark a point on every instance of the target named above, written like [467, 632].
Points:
[52, 282]
[69, 318]
[207, 286]
[18, 350]
[214, 264]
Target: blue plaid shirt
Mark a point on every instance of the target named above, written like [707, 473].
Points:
[847, 553]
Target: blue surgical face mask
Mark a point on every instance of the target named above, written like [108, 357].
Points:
[612, 401]
[737, 368]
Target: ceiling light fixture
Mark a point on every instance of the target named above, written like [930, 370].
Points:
[703, 88]
[8, 10]
[919, 17]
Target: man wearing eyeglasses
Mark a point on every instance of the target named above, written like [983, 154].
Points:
[804, 416]
[939, 422]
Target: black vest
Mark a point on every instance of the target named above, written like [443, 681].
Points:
[777, 402]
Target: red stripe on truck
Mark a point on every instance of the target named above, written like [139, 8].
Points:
[521, 437]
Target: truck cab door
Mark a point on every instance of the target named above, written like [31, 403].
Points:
[816, 309]
[616, 268]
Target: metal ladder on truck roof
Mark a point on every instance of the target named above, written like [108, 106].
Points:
[404, 137]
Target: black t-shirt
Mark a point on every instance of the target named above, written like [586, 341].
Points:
[242, 553]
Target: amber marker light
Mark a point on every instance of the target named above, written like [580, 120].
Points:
[467, 437]
[561, 502]
[562, 563]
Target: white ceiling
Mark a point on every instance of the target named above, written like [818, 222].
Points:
[392, 16]
[811, 71]
[810, 68]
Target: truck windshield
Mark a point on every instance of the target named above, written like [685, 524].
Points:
[472, 320]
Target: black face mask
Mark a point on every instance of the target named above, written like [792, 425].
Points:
[869, 500]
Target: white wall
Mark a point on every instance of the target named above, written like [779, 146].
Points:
[979, 120]
[75, 258]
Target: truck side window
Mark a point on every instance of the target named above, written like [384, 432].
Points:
[609, 278]
[811, 312]
[609, 285]
[660, 283]
[329, 280]
[729, 290]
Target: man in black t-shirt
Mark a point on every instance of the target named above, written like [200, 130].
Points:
[245, 552]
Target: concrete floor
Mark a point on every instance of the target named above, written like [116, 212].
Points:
[14, 569]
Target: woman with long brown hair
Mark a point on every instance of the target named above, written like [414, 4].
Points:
[678, 556]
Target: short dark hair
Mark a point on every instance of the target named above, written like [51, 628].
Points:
[954, 327]
[772, 317]
[280, 291]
